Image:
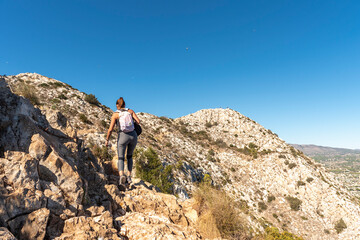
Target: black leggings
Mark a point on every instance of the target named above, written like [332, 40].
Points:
[129, 141]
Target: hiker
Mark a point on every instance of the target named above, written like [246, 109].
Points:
[127, 137]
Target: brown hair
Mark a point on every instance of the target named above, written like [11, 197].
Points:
[120, 102]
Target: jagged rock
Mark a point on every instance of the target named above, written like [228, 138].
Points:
[65, 176]
[20, 202]
[20, 169]
[6, 234]
[90, 228]
[35, 225]
[137, 225]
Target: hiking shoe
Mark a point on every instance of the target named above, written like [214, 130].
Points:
[129, 181]
[122, 180]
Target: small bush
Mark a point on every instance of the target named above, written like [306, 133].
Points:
[57, 84]
[149, 168]
[55, 100]
[208, 125]
[232, 169]
[62, 96]
[294, 202]
[220, 143]
[84, 119]
[262, 206]
[270, 198]
[210, 156]
[92, 99]
[44, 85]
[236, 135]
[309, 179]
[179, 165]
[340, 226]
[165, 119]
[282, 156]
[292, 165]
[300, 183]
[202, 135]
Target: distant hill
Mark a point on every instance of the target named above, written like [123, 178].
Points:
[314, 150]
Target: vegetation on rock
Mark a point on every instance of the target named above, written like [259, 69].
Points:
[149, 168]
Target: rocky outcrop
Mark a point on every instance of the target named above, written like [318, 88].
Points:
[52, 187]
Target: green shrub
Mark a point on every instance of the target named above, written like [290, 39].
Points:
[208, 125]
[262, 206]
[55, 100]
[84, 119]
[340, 226]
[57, 84]
[179, 165]
[92, 99]
[202, 135]
[273, 233]
[282, 156]
[62, 96]
[44, 85]
[165, 119]
[294, 202]
[292, 165]
[102, 153]
[149, 168]
[220, 143]
[300, 183]
[270, 198]
[210, 156]
[309, 179]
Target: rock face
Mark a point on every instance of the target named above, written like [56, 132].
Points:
[53, 187]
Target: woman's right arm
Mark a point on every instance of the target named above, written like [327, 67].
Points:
[133, 114]
[112, 124]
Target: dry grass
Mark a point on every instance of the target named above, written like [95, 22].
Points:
[27, 92]
[218, 216]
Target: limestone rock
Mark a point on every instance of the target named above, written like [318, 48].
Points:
[90, 228]
[35, 225]
[142, 226]
[6, 234]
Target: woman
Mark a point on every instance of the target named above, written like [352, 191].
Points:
[127, 137]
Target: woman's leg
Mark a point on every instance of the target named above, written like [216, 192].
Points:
[121, 146]
[130, 150]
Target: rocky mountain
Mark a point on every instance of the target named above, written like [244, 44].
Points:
[57, 183]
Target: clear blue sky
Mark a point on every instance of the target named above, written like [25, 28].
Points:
[292, 66]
